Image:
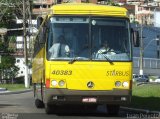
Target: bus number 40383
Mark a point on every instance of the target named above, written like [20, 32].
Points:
[62, 72]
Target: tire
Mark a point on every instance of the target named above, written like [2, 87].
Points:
[50, 109]
[34, 90]
[113, 109]
[39, 103]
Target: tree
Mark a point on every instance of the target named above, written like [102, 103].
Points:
[10, 9]
[109, 2]
[7, 65]
[8, 70]
[112, 3]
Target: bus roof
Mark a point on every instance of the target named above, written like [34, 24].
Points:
[88, 9]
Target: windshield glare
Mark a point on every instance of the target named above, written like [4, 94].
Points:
[88, 39]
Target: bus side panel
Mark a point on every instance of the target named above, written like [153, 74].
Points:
[38, 73]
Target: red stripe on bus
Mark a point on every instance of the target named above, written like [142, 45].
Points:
[47, 83]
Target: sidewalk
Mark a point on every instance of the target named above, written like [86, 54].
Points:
[3, 91]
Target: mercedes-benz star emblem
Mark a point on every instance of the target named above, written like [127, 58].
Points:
[90, 84]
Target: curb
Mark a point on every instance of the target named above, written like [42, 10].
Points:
[140, 110]
[15, 92]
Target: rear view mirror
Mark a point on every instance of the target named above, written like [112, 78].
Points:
[39, 22]
[135, 38]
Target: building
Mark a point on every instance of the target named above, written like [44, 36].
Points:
[131, 10]
[41, 6]
[19, 53]
[150, 46]
[143, 10]
[144, 14]
[157, 17]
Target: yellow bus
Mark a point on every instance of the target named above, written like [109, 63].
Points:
[83, 56]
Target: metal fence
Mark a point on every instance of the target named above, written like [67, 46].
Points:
[151, 63]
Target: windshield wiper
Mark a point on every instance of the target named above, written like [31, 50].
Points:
[76, 58]
[106, 57]
[72, 60]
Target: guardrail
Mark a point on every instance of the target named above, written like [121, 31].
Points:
[150, 63]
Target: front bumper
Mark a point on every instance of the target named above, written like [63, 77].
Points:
[65, 96]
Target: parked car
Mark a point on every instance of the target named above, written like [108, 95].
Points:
[140, 78]
[157, 79]
[143, 78]
[135, 77]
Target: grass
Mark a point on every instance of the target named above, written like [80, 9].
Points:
[146, 96]
[13, 87]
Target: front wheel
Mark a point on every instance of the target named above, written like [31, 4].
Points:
[113, 109]
[39, 103]
[49, 109]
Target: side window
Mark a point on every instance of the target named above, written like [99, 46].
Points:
[40, 39]
[42, 34]
[36, 46]
[37, 43]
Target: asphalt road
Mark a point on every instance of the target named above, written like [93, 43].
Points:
[21, 106]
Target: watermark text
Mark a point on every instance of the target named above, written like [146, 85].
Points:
[143, 116]
[8, 116]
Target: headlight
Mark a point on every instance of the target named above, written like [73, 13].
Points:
[117, 83]
[61, 83]
[54, 83]
[125, 84]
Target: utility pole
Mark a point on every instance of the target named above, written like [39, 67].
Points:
[141, 49]
[26, 80]
[158, 46]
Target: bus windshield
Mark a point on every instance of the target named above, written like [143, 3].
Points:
[88, 38]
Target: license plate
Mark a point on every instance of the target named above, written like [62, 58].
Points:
[89, 100]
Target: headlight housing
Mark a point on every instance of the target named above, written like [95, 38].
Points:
[125, 84]
[117, 83]
[61, 83]
[54, 83]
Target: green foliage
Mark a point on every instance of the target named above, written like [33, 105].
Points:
[13, 87]
[146, 96]
[6, 18]
[135, 22]
[8, 14]
[7, 61]
[8, 11]
[147, 90]
[12, 39]
[112, 3]
[8, 68]
[7, 65]
[3, 47]
[12, 44]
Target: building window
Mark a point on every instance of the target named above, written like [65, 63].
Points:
[21, 72]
